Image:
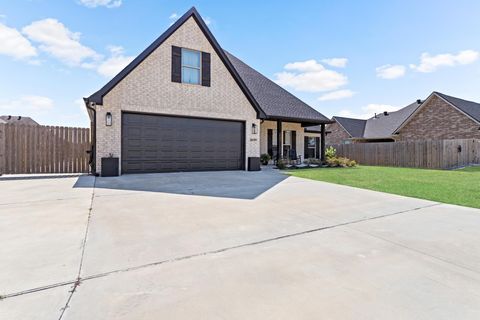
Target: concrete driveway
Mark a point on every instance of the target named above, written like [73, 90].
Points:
[231, 245]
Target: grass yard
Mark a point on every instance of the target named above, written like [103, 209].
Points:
[461, 187]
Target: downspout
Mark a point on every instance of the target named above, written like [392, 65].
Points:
[93, 128]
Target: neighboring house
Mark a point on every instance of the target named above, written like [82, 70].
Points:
[442, 117]
[438, 117]
[185, 104]
[18, 120]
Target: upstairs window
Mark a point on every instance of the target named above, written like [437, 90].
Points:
[191, 66]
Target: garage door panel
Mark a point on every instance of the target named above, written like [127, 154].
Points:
[152, 143]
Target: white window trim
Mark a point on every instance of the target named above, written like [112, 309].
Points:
[199, 68]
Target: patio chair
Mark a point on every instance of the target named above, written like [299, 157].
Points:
[293, 157]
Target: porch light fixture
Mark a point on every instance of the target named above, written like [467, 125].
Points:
[254, 128]
[108, 119]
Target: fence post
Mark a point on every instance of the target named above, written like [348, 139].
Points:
[2, 149]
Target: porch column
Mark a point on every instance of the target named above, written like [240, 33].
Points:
[279, 140]
[322, 143]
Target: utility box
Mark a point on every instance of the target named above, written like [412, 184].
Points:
[109, 167]
[253, 163]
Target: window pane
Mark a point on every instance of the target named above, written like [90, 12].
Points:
[311, 142]
[274, 137]
[190, 75]
[288, 138]
[190, 58]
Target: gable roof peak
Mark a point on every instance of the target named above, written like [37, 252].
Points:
[97, 97]
[468, 107]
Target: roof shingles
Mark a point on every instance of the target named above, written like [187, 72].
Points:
[469, 107]
[275, 101]
[354, 127]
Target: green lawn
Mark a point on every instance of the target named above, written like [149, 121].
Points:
[460, 187]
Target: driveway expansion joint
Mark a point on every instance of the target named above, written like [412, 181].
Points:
[80, 279]
[281, 237]
[84, 244]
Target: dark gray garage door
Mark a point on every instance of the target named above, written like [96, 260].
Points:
[152, 143]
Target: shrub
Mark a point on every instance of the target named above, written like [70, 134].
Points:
[281, 164]
[340, 162]
[312, 161]
[264, 158]
[330, 152]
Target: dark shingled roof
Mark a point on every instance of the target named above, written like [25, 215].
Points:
[384, 126]
[354, 127]
[267, 98]
[18, 120]
[469, 107]
[275, 101]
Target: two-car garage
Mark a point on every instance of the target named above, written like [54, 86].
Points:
[160, 143]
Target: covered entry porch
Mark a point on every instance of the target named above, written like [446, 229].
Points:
[292, 140]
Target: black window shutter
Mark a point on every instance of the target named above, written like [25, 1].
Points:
[176, 64]
[317, 148]
[205, 69]
[270, 142]
[305, 147]
[294, 141]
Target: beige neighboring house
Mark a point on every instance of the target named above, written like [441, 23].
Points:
[439, 117]
[18, 120]
[185, 104]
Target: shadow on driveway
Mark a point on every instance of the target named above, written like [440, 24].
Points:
[225, 184]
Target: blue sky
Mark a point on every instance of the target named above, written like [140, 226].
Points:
[349, 58]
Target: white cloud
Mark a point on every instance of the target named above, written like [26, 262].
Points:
[113, 65]
[14, 44]
[207, 20]
[174, 16]
[310, 76]
[389, 71]
[60, 42]
[368, 111]
[81, 105]
[101, 3]
[429, 63]
[28, 105]
[336, 62]
[337, 95]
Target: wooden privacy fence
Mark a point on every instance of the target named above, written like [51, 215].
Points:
[435, 154]
[43, 149]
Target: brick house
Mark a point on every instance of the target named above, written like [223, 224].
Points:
[438, 117]
[185, 104]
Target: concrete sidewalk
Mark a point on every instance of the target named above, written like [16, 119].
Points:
[283, 249]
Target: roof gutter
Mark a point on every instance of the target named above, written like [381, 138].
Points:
[308, 122]
[93, 134]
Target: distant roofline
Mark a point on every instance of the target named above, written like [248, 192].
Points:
[347, 131]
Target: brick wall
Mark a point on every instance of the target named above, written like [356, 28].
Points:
[148, 88]
[337, 134]
[438, 120]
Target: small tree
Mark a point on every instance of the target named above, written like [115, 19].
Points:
[330, 152]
